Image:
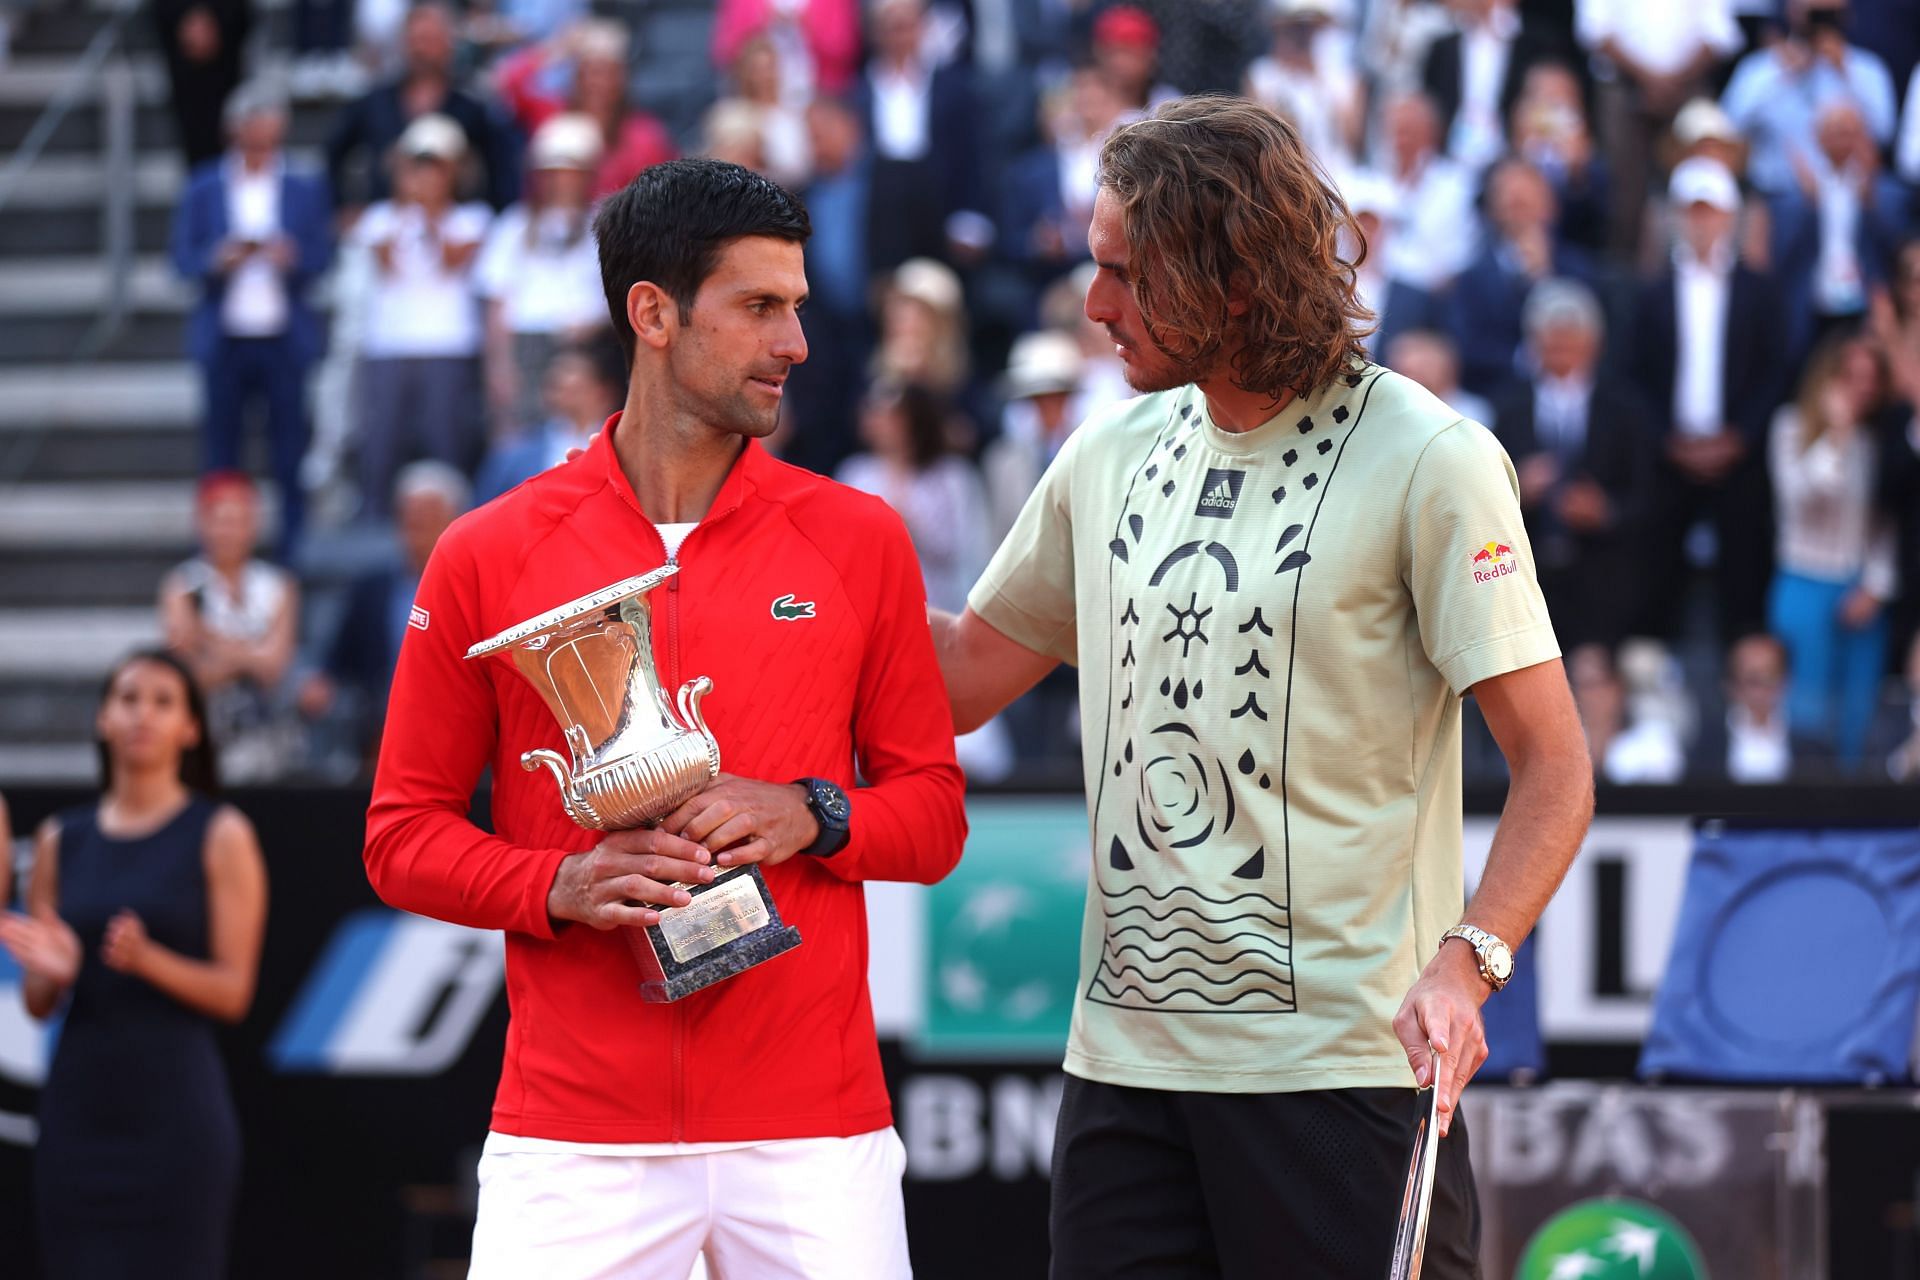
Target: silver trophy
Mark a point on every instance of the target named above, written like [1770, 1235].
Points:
[636, 757]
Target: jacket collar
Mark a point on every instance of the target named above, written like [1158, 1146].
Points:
[738, 487]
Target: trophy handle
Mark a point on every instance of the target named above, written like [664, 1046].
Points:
[690, 694]
[557, 765]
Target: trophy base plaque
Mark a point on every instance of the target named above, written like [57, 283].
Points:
[730, 926]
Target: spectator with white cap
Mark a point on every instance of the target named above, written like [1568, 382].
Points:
[1777, 93]
[1651, 57]
[1906, 148]
[418, 377]
[1702, 128]
[923, 334]
[1709, 361]
[1040, 387]
[540, 270]
[583, 71]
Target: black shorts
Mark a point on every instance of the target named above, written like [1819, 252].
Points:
[1156, 1185]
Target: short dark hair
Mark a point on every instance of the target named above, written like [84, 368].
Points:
[669, 225]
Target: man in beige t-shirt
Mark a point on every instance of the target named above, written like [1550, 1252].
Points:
[1278, 572]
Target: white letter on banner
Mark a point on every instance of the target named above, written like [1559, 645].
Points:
[943, 1135]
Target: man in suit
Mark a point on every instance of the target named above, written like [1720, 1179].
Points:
[1585, 461]
[1519, 251]
[1474, 74]
[254, 234]
[367, 128]
[926, 192]
[1709, 359]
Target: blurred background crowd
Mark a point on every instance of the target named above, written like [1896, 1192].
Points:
[1666, 251]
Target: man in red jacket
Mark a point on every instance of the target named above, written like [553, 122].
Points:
[748, 1121]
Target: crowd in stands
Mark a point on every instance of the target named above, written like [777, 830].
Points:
[1666, 252]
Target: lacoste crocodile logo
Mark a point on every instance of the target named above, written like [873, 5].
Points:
[786, 609]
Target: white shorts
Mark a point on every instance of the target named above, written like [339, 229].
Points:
[795, 1209]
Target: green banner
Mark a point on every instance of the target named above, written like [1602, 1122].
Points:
[1003, 932]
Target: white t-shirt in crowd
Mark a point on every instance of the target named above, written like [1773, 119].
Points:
[420, 307]
[548, 281]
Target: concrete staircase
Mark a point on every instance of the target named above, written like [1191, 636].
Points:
[98, 454]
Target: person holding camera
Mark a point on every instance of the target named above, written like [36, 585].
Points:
[255, 233]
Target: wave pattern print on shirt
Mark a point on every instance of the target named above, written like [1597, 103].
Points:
[1183, 947]
[1204, 579]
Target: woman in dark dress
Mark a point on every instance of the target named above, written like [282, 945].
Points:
[144, 917]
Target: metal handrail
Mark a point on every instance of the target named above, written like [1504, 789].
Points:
[80, 82]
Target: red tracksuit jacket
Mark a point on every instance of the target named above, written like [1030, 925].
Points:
[787, 1049]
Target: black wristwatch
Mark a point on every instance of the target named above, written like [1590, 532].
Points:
[830, 809]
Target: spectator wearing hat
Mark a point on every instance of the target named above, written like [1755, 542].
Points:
[421, 336]
[582, 71]
[926, 190]
[1702, 128]
[1906, 148]
[366, 130]
[254, 234]
[1474, 74]
[1651, 57]
[1126, 48]
[923, 341]
[1041, 388]
[1585, 461]
[1521, 249]
[539, 273]
[1708, 359]
[1778, 92]
[1307, 75]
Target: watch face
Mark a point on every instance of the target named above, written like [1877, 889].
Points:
[1500, 961]
[833, 803]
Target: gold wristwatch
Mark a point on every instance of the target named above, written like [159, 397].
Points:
[1495, 956]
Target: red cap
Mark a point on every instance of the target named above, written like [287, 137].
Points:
[1124, 24]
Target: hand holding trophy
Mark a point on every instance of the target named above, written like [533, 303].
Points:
[636, 757]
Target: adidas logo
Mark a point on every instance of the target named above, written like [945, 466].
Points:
[1220, 494]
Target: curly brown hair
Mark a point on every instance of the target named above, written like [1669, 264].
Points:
[1220, 198]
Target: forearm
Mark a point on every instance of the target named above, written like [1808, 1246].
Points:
[1549, 805]
[435, 863]
[910, 827]
[205, 986]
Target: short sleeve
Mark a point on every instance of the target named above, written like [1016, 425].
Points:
[1027, 593]
[1466, 559]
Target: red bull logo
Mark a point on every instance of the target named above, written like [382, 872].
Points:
[1493, 560]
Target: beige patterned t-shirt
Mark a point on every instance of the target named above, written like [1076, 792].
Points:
[1274, 630]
